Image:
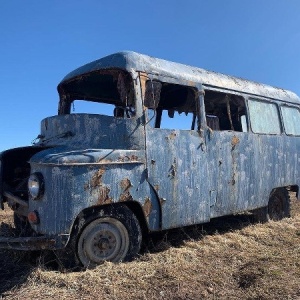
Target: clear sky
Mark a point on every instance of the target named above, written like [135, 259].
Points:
[41, 41]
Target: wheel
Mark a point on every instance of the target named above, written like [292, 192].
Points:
[279, 205]
[277, 209]
[114, 236]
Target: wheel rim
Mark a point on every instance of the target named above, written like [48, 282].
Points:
[104, 239]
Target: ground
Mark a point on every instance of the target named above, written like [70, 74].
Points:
[229, 258]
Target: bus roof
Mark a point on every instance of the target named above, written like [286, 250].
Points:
[129, 60]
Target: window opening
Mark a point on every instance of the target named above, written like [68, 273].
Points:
[170, 106]
[106, 92]
[225, 111]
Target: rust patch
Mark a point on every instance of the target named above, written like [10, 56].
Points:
[147, 207]
[172, 136]
[134, 157]
[103, 197]
[128, 158]
[156, 187]
[125, 184]
[235, 140]
[126, 196]
[97, 178]
[143, 79]
[124, 158]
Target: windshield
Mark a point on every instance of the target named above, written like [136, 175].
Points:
[108, 92]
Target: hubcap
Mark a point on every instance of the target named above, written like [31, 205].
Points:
[102, 243]
[105, 239]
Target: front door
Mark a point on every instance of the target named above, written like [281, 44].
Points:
[177, 157]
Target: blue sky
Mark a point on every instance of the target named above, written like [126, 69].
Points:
[41, 41]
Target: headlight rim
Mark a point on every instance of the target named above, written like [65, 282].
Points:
[38, 177]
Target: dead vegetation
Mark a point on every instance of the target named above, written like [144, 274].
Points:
[230, 258]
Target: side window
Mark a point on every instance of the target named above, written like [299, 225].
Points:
[172, 107]
[291, 120]
[264, 117]
[225, 111]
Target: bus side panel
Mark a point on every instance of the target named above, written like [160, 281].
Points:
[248, 166]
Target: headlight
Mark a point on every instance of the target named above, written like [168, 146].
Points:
[36, 185]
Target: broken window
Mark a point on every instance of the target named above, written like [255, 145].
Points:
[225, 111]
[170, 106]
[291, 120]
[109, 92]
[264, 117]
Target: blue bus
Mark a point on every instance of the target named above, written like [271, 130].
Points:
[158, 145]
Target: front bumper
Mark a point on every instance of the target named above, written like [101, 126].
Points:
[34, 243]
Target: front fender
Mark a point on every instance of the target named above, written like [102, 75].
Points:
[76, 180]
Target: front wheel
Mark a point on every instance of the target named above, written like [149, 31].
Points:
[115, 235]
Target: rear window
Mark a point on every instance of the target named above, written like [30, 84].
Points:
[291, 120]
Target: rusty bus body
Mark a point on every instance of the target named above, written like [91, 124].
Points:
[95, 183]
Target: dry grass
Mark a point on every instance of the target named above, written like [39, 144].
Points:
[230, 258]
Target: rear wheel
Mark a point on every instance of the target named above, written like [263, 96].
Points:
[115, 235]
[277, 209]
[279, 205]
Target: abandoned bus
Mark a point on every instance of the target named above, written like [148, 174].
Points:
[166, 145]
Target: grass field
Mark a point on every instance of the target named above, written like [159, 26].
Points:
[229, 258]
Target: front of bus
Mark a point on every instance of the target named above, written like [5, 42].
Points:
[91, 154]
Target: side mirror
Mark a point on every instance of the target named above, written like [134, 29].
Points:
[152, 94]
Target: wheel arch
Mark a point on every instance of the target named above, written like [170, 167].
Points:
[91, 213]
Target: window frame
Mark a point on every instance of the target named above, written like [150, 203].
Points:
[283, 123]
[210, 88]
[195, 87]
[257, 99]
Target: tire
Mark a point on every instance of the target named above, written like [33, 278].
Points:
[114, 235]
[279, 206]
[277, 209]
